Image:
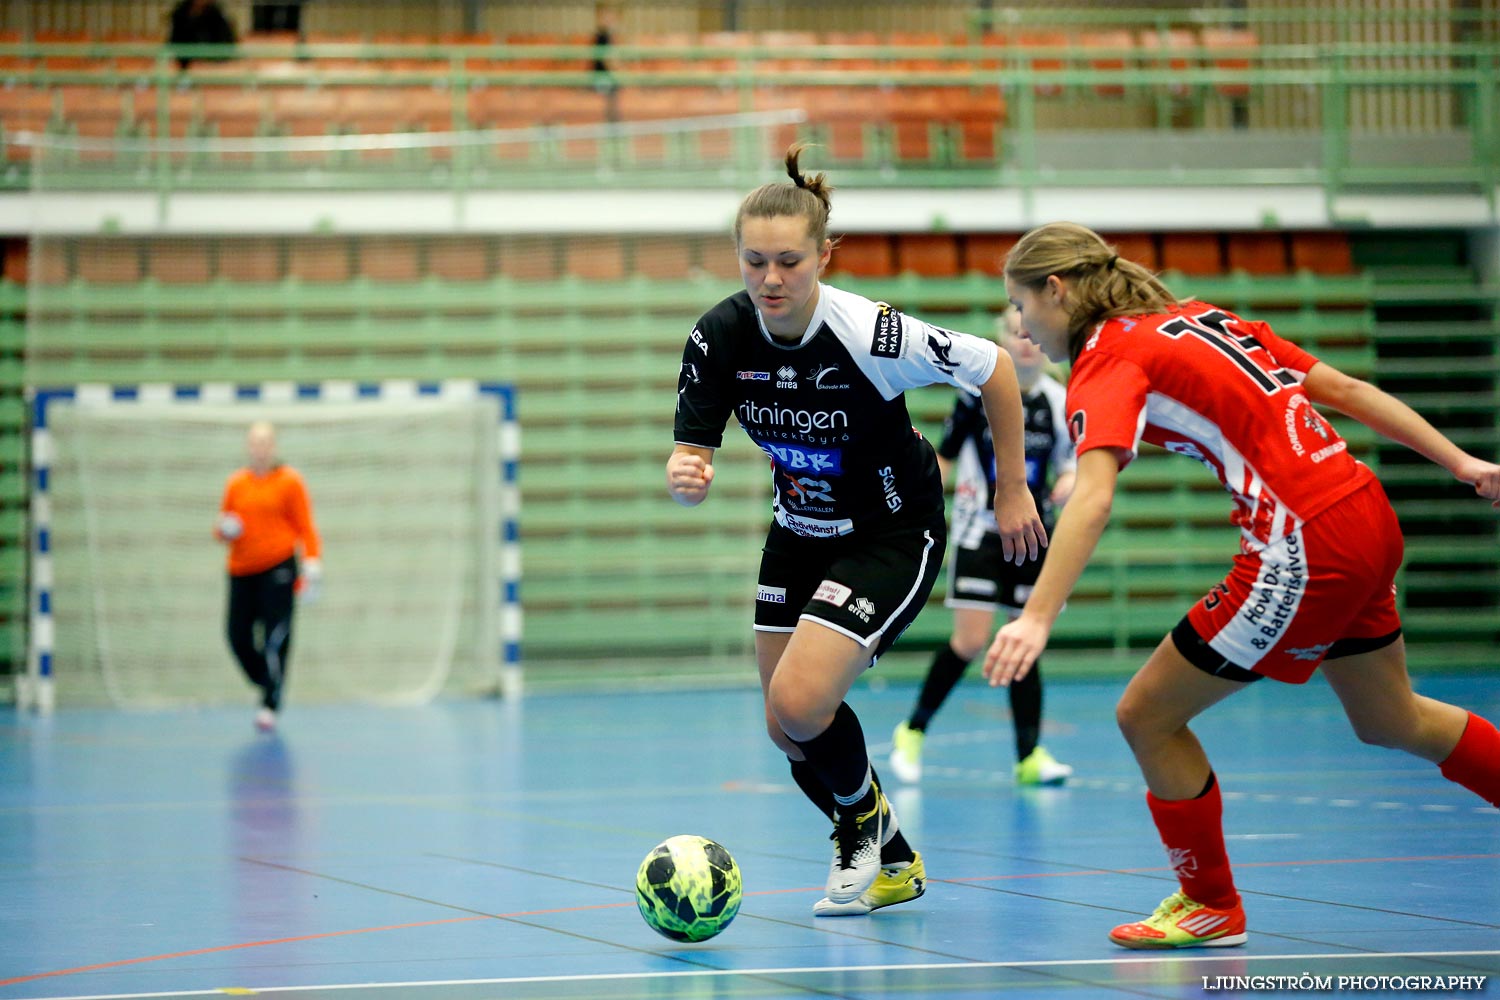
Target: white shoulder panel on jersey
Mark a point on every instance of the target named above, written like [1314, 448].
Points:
[896, 352]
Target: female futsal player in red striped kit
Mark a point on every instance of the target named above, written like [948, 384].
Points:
[1312, 585]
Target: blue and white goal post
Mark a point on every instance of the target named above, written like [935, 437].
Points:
[415, 495]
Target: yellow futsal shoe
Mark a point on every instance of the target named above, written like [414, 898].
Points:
[906, 753]
[1179, 922]
[1041, 768]
[897, 883]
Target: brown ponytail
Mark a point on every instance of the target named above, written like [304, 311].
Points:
[808, 198]
[1104, 284]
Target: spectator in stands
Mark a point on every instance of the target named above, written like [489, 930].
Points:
[199, 22]
[1313, 582]
[980, 580]
[815, 376]
[266, 520]
[605, 16]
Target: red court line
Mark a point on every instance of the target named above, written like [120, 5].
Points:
[609, 906]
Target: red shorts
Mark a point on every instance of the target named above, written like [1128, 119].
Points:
[1327, 589]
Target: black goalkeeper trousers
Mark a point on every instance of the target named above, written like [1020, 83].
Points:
[260, 627]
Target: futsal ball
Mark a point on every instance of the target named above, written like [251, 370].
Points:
[688, 888]
[230, 526]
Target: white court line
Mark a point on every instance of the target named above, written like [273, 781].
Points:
[789, 971]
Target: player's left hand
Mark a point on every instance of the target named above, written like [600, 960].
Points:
[1022, 534]
[310, 580]
[1015, 649]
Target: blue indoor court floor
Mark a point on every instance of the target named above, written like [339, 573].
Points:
[488, 850]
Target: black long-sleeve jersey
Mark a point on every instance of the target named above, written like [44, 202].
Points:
[828, 409]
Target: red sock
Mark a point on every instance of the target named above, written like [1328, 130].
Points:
[1192, 830]
[1475, 762]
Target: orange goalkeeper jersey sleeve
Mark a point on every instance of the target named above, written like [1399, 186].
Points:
[277, 517]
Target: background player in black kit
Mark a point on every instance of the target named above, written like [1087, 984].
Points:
[980, 581]
[815, 376]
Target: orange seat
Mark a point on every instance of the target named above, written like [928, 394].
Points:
[16, 258]
[396, 258]
[1137, 247]
[985, 252]
[1046, 64]
[1324, 251]
[1258, 253]
[319, 259]
[28, 108]
[596, 257]
[1119, 46]
[730, 43]
[865, 255]
[924, 53]
[546, 58]
[669, 53]
[663, 258]
[307, 110]
[12, 63]
[1170, 49]
[108, 260]
[73, 59]
[1192, 252]
[715, 255]
[234, 111]
[251, 259]
[461, 258]
[415, 55]
[180, 262]
[930, 255]
[996, 47]
[776, 42]
[530, 258]
[477, 41]
[1228, 49]
[48, 263]
[854, 42]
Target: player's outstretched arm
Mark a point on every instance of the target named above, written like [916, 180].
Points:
[690, 471]
[1022, 534]
[1020, 642]
[1388, 416]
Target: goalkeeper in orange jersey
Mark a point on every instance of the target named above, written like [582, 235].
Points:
[265, 519]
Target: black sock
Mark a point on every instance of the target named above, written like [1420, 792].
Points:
[1026, 710]
[896, 850]
[812, 786]
[838, 757]
[942, 676]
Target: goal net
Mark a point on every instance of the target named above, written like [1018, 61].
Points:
[412, 489]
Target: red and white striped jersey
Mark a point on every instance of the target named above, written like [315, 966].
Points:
[1202, 382]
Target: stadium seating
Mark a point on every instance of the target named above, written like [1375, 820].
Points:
[595, 358]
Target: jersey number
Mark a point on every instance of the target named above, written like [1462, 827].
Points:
[1213, 328]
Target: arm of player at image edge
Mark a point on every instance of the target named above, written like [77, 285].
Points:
[1079, 527]
[310, 567]
[1393, 419]
[690, 472]
[1022, 534]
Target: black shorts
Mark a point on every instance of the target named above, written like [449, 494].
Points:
[868, 586]
[981, 578]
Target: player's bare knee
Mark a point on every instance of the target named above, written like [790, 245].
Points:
[968, 645]
[1135, 719]
[1391, 733]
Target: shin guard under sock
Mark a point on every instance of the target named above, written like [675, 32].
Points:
[1192, 830]
[1475, 761]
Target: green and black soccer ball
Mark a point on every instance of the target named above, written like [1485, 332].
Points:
[688, 888]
